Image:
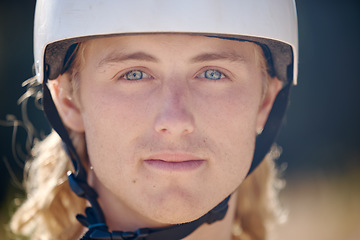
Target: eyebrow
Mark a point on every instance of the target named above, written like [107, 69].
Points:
[121, 57]
[229, 56]
[142, 56]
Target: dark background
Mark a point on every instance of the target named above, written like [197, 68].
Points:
[321, 133]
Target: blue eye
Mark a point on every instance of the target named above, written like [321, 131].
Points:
[213, 74]
[134, 75]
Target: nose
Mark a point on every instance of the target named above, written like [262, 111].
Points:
[174, 117]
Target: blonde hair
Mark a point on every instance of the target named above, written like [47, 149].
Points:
[50, 208]
[258, 208]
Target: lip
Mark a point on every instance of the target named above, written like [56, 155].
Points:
[174, 162]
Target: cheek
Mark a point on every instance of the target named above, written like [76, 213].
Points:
[230, 121]
[112, 123]
[232, 115]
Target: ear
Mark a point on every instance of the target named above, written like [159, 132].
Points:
[69, 109]
[273, 88]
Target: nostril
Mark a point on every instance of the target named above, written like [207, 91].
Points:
[175, 115]
[174, 122]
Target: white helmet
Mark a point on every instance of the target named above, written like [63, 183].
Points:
[61, 23]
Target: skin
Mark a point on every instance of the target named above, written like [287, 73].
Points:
[170, 146]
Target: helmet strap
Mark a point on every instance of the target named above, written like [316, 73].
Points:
[94, 219]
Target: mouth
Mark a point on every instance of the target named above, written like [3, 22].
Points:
[174, 162]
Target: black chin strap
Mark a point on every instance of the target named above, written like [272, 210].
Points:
[93, 219]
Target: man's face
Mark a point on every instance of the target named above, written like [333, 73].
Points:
[170, 122]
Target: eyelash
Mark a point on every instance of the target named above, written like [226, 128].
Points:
[210, 72]
[143, 75]
[205, 74]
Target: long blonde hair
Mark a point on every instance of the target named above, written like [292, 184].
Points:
[50, 208]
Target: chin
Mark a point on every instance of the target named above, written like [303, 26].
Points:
[179, 210]
[177, 217]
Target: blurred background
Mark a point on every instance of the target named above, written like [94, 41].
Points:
[320, 139]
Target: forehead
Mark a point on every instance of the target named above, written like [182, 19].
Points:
[166, 45]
